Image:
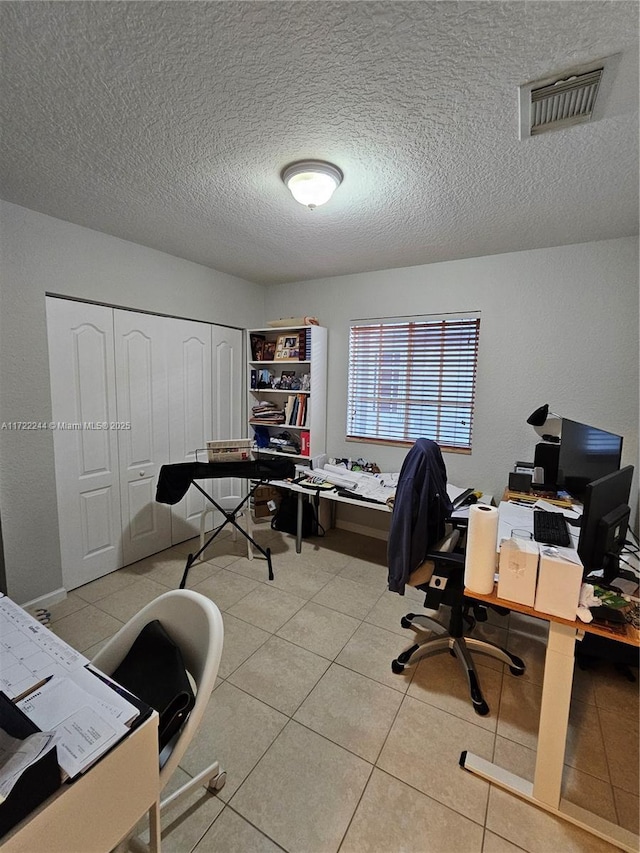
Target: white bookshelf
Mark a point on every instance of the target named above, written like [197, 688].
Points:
[313, 400]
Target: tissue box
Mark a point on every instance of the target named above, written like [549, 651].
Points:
[518, 570]
[559, 583]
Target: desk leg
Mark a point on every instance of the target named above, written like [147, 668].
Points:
[554, 713]
[299, 525]
[154, 828]
[545, 792]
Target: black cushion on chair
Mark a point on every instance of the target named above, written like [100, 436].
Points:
[153, 670]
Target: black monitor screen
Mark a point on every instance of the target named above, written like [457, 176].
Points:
[586, 454]
[606, 498]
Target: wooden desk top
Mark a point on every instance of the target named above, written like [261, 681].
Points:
[631, 635]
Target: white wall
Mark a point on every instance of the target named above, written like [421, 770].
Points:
[41, 255]
[558, 326]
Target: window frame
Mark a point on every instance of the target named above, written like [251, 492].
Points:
[416, 347]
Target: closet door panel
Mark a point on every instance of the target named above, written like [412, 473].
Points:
[86, 451]
[228, 395]
[142, 396]
[189, 368]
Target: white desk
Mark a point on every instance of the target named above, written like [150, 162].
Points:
[95, 812]
[325, 494]
[545, 790]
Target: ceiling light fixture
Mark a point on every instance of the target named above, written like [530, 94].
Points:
[312, 182]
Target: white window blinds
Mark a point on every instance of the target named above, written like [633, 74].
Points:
[413, 379]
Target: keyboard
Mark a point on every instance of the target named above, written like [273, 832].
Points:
[551, 528]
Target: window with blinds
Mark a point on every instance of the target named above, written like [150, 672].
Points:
[413, 379]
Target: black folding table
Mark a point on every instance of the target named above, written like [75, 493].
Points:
[174, 482]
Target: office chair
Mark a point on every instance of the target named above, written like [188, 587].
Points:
[194, 623]
[423, 539]
[441, 577]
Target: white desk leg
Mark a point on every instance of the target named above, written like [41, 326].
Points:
[154, 827]
[554, 714]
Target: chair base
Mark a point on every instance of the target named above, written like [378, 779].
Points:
[461, 648]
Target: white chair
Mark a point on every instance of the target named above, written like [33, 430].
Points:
[228, 503]
[194, 623]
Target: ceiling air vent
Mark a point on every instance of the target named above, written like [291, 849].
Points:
[561, 101]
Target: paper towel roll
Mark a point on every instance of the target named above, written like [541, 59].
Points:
[482, 539]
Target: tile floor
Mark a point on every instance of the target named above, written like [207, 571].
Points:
[325, 749]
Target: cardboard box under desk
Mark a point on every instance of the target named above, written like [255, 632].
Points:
[38, 781]
[266, 493]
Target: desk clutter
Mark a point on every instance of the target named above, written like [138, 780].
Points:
[545, 577]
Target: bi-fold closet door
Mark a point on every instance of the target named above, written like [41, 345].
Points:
[176, 383]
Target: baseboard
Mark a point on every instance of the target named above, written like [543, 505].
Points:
[363, 529]
[46, 600]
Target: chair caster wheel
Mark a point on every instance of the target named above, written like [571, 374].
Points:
[517, 667]
[482, 709]
[218, 783]
[397, 667]
[405, 623]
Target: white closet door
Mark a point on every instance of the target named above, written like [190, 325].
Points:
[86, 454]
[228, 396]
[189, 366]
[142, 397]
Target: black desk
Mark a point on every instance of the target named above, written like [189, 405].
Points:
[174, 482]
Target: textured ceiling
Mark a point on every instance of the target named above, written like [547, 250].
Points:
[169, 123]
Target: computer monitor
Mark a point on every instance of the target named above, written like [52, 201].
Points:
[605, 518]
[586, 454]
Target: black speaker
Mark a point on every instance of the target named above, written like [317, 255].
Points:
[546, 457]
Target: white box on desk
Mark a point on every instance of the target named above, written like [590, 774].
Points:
[518, 570]
[559, 583]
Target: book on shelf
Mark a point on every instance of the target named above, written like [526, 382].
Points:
[305, 442]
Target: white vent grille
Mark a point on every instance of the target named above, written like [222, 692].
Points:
[564, 100]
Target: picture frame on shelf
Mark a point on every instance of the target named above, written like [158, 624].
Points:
[268, 351]
[287, 347]
[257, 346]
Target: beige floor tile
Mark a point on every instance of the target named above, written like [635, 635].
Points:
[66, 607]
[225, 588]
[535, 830]
[519, 713]
[300, 579]
[346, 596]
[532, 649]
[580, 788]
[168, 568]
[494, 844]
[184, 826]
[351, 710]
[240, 641]
[303, 792]
[620, 734]
[394, 817]
[256, 569]
[233, 834]
[128, 601]
[363, 571]
[280, 674]
[390, 608]
[614, 692]
[104, 586]
[585, 748]
[441, 681]
[423, 749]
[236, 730]
[267, 607]
[583, 687]
[86, 627]
[222, 552]
[370, 652]
[319, 629]
[628, 810]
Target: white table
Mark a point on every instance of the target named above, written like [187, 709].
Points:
[545, 790]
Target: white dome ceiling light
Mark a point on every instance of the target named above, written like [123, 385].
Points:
[312, 182]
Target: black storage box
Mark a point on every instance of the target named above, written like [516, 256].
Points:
[37, 782]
